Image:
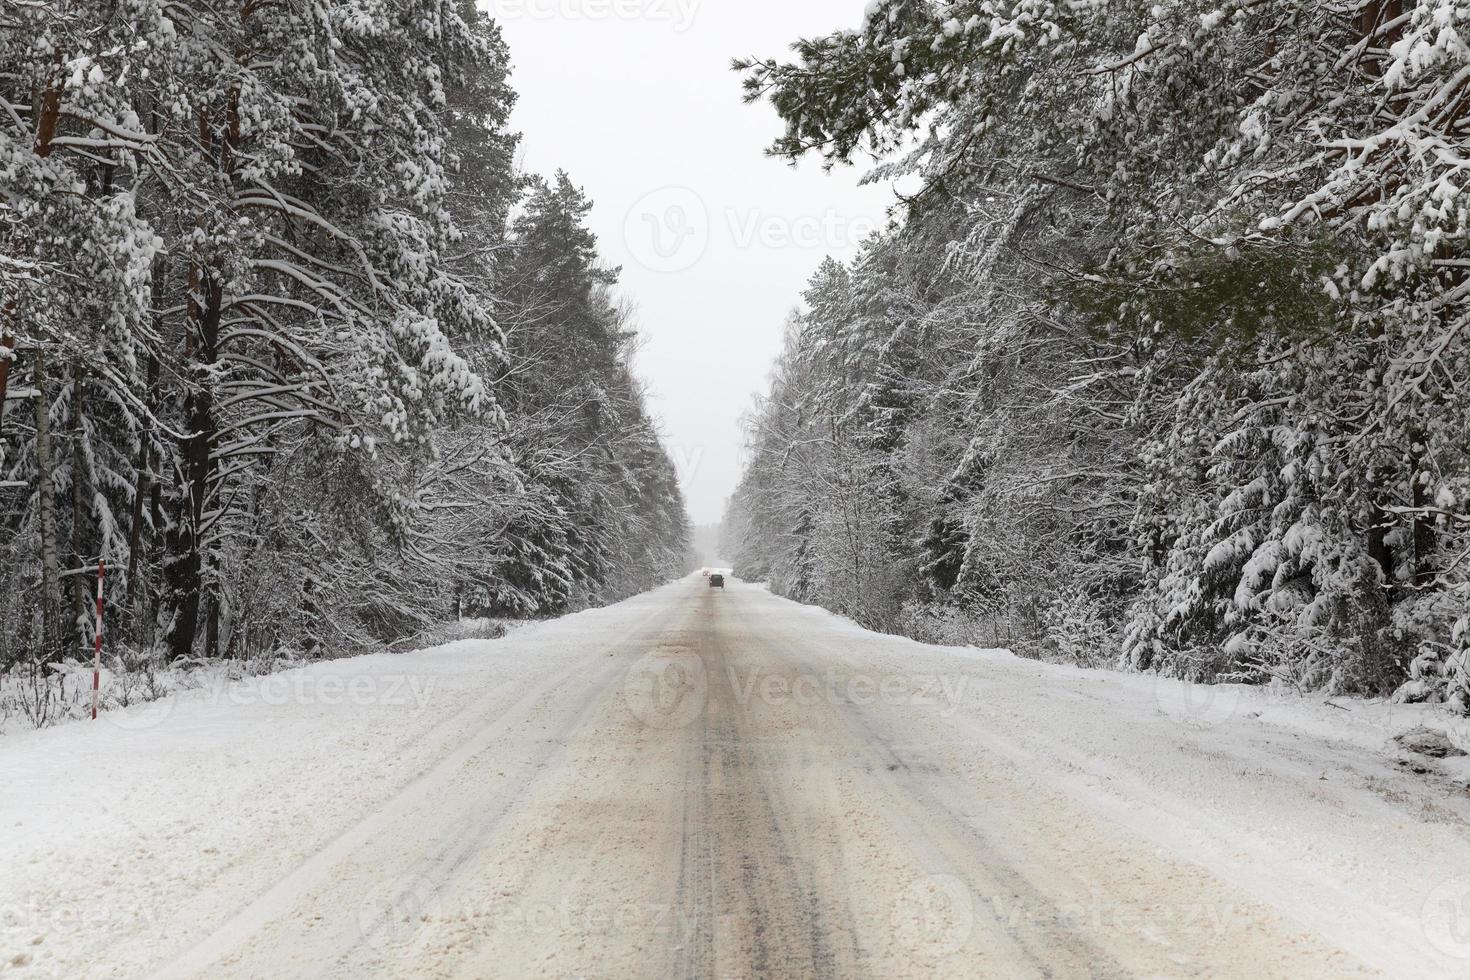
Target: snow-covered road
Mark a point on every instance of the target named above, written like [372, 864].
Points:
[708, 783]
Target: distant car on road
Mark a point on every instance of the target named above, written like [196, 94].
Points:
[716, 581]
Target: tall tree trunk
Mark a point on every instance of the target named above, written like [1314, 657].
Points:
[7, 355]
[185, 564]
[48, 116]
[1423, 526]
[48, 107]
[211, 628]
[1378, 546]
[145, 486]
[141, 493]
[50, 564]
[79, 557]
[1373, 16]
[1424, 540]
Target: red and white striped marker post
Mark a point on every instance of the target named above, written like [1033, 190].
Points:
[97, 640]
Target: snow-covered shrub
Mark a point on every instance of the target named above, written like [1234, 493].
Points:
[39, 695]
[1441, 673]
[1081, 629]
[948, 626]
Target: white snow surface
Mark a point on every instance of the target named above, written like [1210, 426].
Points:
[135, 842]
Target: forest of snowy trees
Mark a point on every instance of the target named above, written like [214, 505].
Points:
[290, 344]
[1164, 365]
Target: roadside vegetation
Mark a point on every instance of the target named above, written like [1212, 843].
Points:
[1165, 362]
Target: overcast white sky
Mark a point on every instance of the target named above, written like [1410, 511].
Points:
[634, 98]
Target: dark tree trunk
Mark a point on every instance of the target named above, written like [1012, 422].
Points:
[7, 354]
[1424, 537]
[50, 564]
[48, 115]
[48, 107]
[79, 558]
[140, 496]
[1372, 17]
[185, 564]
[211, 628]
[146, 487]
[1378, 547]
